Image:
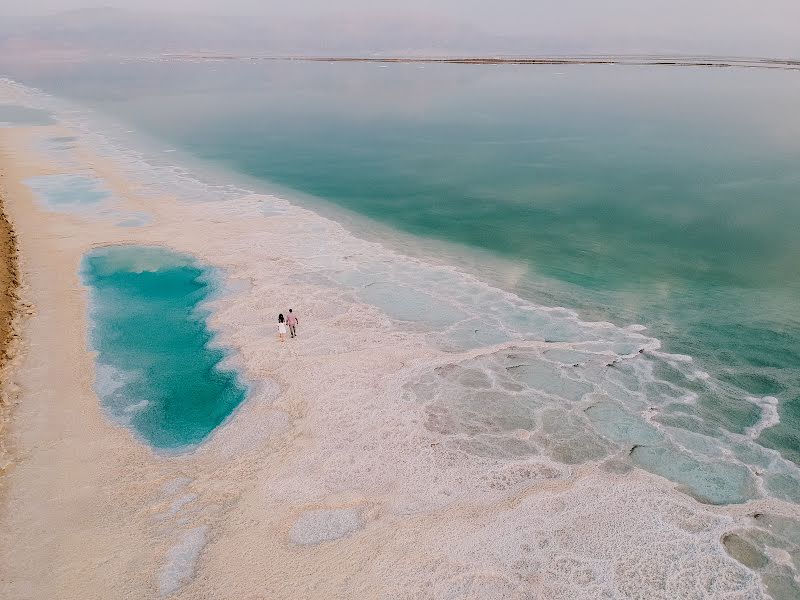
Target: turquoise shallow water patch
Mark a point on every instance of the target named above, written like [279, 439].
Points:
[67, 193]
[82, 194]
[157, 371]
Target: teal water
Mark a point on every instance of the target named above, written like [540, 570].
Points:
[13, 114]
[157, 370]
[663, 196]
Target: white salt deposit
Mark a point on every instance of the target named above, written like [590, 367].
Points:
[769, 415]
[315, 526]
[180, 561]
[179, 503]
[173, 486]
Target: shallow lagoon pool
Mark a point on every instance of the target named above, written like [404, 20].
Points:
[158, 371]
[71, 192]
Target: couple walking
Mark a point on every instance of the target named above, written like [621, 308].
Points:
[291, 321]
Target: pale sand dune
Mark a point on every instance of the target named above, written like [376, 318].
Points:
[325, 483]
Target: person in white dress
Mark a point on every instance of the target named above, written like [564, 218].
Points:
[281, 327]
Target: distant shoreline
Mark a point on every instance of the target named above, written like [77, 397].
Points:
[629, 60]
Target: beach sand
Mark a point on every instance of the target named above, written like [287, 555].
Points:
[325, 483]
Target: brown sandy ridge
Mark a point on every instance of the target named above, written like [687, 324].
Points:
[9, 280]
[9, 303]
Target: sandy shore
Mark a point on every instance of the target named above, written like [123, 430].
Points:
[326, 483]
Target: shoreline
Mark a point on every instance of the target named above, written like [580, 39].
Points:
[625, 60]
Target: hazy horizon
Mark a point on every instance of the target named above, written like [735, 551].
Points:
[623, 26]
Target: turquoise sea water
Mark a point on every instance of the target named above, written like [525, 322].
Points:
[668, 197]
[157, 370]
[12, 114]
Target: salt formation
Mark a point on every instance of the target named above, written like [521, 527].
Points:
[180, 560]
[315, 526]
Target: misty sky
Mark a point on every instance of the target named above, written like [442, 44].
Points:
[749, 25]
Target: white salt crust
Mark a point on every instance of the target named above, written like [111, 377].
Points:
[315, 526]
[180, 561]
